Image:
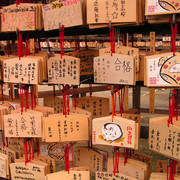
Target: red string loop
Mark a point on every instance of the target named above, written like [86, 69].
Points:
[113, 95]
[32, 97]
[26, 97]
[29, 143]
[126, 155]
[112, 34]
[25, 151]
[68, 98]
[116, 160]
[64, 100]
[173, 107]
[32, 148]
[2, 133]
[61, 35]
[75, 96]
[172, 164]
[173, 36]
[38, 145]
[66, 158]
[19, 44]
[2, 94]
[21, 97]
[121, 100]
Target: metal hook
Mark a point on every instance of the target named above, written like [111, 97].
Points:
[173, 18]
[59, 26]
[17, 31]
[59, 86]
[110, 27]
[112, 88]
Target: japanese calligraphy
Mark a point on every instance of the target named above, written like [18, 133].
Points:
[115, 69]
[164, 139]
[68, 13]
[24, 71]
[61, 71]
[116, 11]
[25, 125]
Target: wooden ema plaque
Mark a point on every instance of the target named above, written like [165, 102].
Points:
[86, 60]
[54, 151]
[25, 125]
[54, 102]
[133, 168]
[63, 70]
[161, 166]
[130, 51]
[163, 139]
[89, 157]
[116, 12]
[68, 13]
[23, 71]
[115, 69]
[78, 175]
[162, 176]
[4, 165]
[25, 17]
[30, 170]
[58, 128]
[163, 70]
[111, 176]
[156, 7]
[98, 106]
[9, 152]
[120, 132]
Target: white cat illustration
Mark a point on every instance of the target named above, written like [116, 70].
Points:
[111, 132]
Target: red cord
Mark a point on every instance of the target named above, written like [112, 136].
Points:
[32, 148]
[77, 46]
[173, 107]
[32, 97]
[75, 97]
[21, 96]
[25, 151]
[112, 34]
[19, 44]
[116, 160]
[64, 100]
[29, 143]
[66, 158]
[68, 98]
[173, 36]
[17, 2]
[121, 100]
[2, 133]
[113, 95]
[38, 147]
[2, 94]
[27, 97]
[61, 35]
[126, 155]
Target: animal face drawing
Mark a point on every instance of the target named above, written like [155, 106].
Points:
[170, 5]
[170, 70]
[111, 132]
